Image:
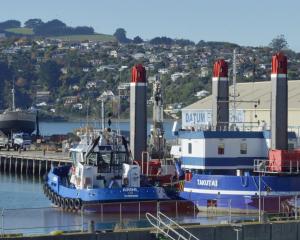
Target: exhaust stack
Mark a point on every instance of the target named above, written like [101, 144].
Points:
[138, 111]
[220, 94]
[279, 111]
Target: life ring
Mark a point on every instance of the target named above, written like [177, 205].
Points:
[77, 203]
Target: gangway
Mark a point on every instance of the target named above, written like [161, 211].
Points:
[169, 228]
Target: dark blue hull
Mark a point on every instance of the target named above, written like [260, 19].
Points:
[241, 193]
[62, 195]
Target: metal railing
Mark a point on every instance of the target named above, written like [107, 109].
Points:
[112, 216]
[269, 166]
[168, 227]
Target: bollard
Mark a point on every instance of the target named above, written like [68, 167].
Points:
[91, 226]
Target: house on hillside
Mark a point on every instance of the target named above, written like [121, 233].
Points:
[42, 97]
[91, 84]
[71, 100]
[105, 95]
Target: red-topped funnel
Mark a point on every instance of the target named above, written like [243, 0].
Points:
[220, 94]
[138, 74]
[279, 64]
[220, 68]
[138, 112]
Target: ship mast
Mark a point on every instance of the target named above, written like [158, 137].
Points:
[13, 95]
[234, 87]
[157, 140]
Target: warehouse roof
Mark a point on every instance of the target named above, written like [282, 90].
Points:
[254, 91]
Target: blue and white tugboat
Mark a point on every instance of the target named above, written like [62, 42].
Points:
[241, 170]
[100, 172]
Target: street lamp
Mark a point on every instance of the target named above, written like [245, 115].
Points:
[237, 228]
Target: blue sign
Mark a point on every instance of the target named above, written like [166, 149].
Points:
[196, 118]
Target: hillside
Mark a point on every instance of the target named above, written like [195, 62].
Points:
[22, 31]
[55, 29]
[80, 38]
[65, 74]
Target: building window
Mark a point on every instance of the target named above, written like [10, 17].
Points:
[221, 148]
[291, 146]
[243, 148]
[190, 148]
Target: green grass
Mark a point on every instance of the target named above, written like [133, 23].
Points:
[95, 37]
[23, 31]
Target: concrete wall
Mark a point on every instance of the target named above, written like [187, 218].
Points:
[252, 231]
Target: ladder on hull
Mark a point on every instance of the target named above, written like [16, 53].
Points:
[169, 228]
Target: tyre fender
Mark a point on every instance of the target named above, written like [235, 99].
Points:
[77, 203]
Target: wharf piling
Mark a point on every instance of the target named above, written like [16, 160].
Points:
[31, 162]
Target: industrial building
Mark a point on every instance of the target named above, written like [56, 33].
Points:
[253, 104]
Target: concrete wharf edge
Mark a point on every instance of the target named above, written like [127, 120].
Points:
[288, 230]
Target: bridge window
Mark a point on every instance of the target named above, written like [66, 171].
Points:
[190, 148]
[221, 148]
[291, 146]
[243, 148]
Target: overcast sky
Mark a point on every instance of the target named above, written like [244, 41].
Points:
[245, 22]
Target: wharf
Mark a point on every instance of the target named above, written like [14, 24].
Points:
[35, 162]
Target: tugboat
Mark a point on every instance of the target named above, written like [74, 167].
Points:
[100, 172]
[241, 170]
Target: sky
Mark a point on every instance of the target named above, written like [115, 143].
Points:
[245, 22]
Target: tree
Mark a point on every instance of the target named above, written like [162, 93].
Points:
[161, 40]
[137, 40]
[4, 77]
[120, 35]
[279, 43]
[10, 24]
[49, 74]
[33, 23]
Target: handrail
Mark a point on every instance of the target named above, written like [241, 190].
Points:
[265, 166]
[166, 229]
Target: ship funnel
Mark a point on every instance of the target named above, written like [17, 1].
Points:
[138, 111]
[220, 94]
[279, 107]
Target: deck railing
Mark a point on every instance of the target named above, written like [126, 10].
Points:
[269, 166]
